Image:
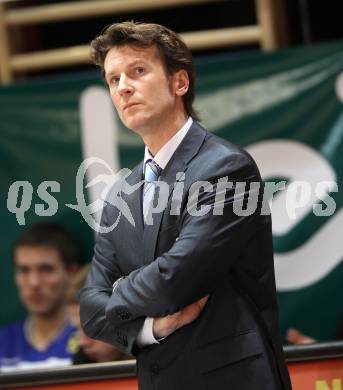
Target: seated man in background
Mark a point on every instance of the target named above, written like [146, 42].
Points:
[45, 257]
[89, 350]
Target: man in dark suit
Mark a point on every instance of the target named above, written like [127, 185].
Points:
[189, 290]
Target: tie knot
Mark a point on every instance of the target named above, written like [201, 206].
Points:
[152, 171]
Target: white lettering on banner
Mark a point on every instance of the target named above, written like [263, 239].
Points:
[99, 139]
[295, 162]
[295, 269]
[312, 260]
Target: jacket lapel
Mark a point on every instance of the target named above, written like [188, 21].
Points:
[187, 149]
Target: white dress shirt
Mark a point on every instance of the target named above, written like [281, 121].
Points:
[145, 335]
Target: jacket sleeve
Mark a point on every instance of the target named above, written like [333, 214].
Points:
[96, 293]
[207, 247]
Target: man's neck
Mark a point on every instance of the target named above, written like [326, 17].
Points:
[154, 140]
[43, 329]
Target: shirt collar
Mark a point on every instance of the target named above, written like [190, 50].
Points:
[168, 149]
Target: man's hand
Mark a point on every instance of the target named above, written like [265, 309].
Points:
[294, 336]
[164, 326]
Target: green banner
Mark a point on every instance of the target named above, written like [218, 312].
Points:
[285, 108]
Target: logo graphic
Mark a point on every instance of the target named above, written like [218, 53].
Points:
[114, 186]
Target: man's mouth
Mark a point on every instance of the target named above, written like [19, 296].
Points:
[129, 105]
[36, 298]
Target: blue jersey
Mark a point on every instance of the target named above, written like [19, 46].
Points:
[16, 351]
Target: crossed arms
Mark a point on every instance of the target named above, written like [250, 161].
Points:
[171, 288]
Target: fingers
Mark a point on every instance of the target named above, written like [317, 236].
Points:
[163, 326]
[294, 336]
[202, 302]
[192, 311]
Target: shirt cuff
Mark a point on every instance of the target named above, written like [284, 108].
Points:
[146, 336]
[116, 283]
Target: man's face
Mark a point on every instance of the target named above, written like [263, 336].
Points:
[41, 278]
[142, 93]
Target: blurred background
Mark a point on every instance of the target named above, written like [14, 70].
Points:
[269, 78]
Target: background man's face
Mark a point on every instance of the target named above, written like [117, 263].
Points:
[140, 89]
[41, 278]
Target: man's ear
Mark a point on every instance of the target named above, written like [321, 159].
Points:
[181, 82]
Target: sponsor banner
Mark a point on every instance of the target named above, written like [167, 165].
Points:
[317, 374]
[285, 108]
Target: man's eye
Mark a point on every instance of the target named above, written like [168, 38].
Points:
[22, 271]
[139, 70]
[114, 80]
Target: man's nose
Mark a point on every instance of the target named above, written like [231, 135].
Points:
[34, 279]
[124, 86]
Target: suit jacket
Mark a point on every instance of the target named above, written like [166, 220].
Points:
[179, 259]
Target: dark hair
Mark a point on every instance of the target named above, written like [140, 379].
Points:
[173, 51]
[53, 236]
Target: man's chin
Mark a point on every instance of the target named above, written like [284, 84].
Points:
[40, 310]
[136, 124]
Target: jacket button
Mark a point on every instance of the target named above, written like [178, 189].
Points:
[123, 314]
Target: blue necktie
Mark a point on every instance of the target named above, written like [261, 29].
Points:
[151, 175]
